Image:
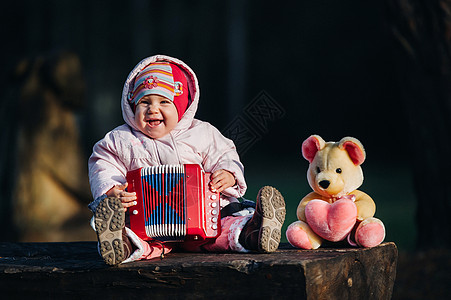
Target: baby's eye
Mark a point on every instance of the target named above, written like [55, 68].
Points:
[338, 170]
[318, 170]
[144, 102]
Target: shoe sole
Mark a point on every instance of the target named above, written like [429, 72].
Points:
[273, 213]
[109, 222]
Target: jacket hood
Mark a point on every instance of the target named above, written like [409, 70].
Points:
[193, 87]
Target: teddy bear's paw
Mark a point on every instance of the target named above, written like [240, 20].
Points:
[370, 233]
[300, 235]
[332, 222]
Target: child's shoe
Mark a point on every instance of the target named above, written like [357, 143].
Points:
[114, 245]
[262, 232]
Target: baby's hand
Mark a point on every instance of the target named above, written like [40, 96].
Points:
[127, 198]
[220, 180]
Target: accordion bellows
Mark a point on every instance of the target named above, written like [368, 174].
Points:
[174, 204]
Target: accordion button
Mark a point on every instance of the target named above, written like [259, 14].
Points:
[135, 212]
[214, 212]
[213, 197]
[214, 219]
[214, 204]
[214, 226]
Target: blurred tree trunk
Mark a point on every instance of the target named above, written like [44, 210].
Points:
[422, 29]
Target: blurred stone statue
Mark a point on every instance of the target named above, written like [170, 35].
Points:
[43, 168]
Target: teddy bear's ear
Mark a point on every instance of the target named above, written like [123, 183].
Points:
[354, 148]
[312, 145]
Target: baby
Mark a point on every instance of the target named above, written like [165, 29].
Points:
[159, 101]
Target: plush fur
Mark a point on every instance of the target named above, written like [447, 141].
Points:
[335, 210]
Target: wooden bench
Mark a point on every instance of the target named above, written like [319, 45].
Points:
[74, 270]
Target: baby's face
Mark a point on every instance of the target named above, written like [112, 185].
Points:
[155, 116]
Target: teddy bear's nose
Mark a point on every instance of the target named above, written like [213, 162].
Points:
[324, 184]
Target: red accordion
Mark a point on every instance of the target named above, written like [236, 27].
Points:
[174, 204]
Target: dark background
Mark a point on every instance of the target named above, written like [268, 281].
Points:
[329, 66]
[332, 67]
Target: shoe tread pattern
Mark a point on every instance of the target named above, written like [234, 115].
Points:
[273, 212]
[109, 222]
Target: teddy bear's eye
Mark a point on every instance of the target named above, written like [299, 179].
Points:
[318, 170]
[338, 170]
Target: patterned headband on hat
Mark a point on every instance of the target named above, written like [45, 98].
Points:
[164, 79]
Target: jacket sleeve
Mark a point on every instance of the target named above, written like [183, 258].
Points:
[222, 154]
[106, 167]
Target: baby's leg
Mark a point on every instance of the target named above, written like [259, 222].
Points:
[231, 228]
[117, 243]
[300, 235]
[109, 224]
[145, 249]
[262, 233]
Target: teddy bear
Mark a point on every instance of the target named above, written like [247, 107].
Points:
[336, 210]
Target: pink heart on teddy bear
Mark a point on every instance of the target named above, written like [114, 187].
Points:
[332, 222]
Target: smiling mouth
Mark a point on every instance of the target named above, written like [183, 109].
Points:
[154, 123]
